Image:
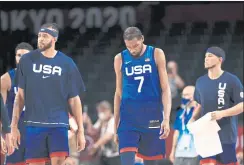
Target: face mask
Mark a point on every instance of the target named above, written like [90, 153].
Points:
[101, 115]
[185, 101]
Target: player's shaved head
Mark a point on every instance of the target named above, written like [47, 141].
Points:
[132, 32]
[23, 45]
[21, 49]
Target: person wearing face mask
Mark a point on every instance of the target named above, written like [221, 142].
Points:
[105, 144]
[183, 151]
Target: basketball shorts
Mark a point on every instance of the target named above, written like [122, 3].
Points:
[43, 143]
[18, 157]
[147, 145]
[227, 157]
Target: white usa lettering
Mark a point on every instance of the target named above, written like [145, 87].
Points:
[138, 69]
[15, 90]
[47, 69]
[241, 94]
[221, 95]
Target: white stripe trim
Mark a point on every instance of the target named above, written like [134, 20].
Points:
[154, 127]
[43, 123]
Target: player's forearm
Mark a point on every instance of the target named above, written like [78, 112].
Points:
[4, 118]
[174, 142]
[4, 95]
[167, 102]
[76, 108]
[17, 110]
[104, 140]
[5, 86]
[236, 110]
[117, 100]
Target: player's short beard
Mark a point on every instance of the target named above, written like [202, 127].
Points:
[139, 53]
[210, 67]
[47, 46]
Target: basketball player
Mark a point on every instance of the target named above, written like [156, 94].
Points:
[220, 93]
[5, 124]
[142, 101]
[8, 91]
[49, 84]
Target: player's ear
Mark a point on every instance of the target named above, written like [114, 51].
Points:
[221, 60]
[142, 38]
[55, 39]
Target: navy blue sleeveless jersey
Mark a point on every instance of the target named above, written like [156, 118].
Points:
[220, 94]
[141, 103]
[48, 83]
[11, 95]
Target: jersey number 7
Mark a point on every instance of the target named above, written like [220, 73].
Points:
[141, 78]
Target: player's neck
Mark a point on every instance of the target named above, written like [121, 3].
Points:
[50, 53]
[215, 73]
[143, 49]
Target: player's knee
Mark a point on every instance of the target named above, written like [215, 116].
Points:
[57, 160]
[209, 164]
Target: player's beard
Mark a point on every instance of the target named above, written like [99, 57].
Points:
[139, 53]
[210, 67]
[45, 47]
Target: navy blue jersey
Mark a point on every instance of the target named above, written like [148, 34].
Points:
[220, 94]
[141, 103]
[11, 94]
[48, 83]
[140, 77]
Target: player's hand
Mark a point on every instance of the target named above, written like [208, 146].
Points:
[217, 115]
[9, 143]
[15, 137]
[3, 146]
[172, 157]
[165, 129]
[116, 139]
[81, 141]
